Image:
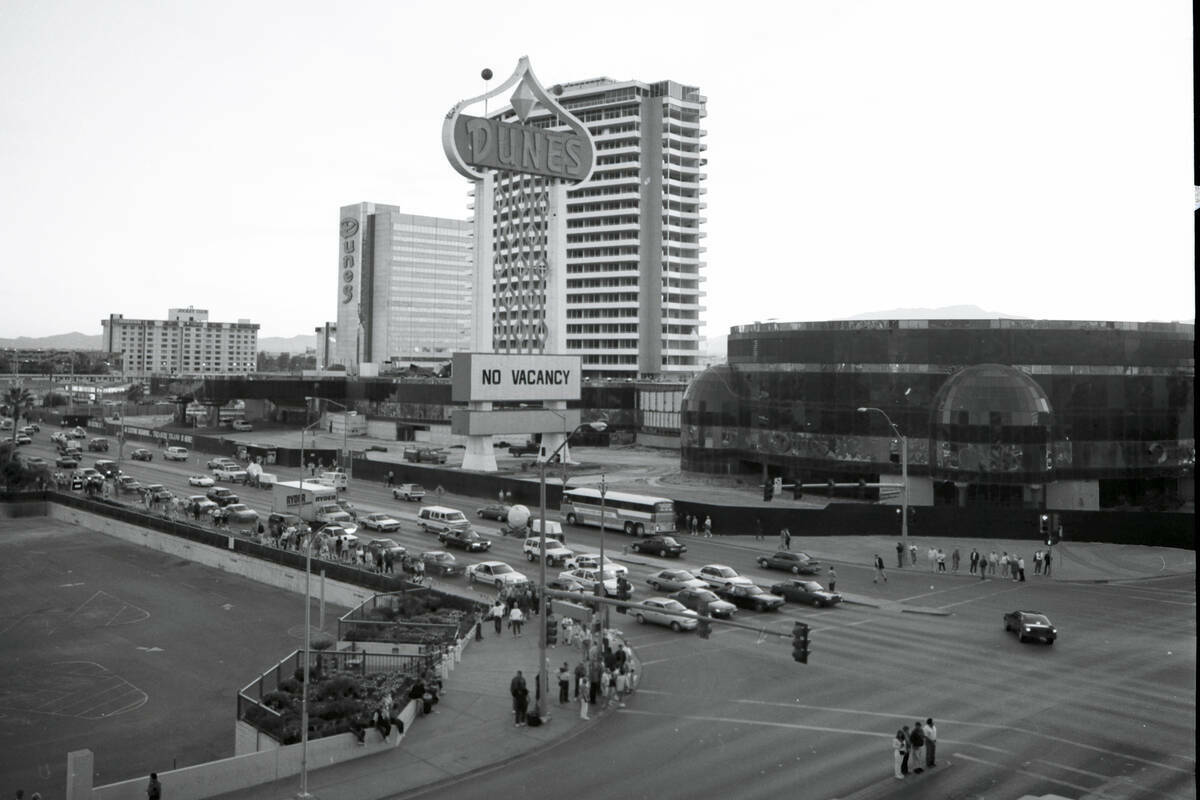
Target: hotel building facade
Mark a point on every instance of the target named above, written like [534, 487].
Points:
[184, 344]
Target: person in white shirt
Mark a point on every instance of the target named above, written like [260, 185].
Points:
[930, 743]
[515, 618]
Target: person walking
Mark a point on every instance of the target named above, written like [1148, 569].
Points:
[520, 696]
[515, 618]
[787, 539]
[941, 560]
[917, 759]
[899, 555]
[498, 615]
[955, 560]
[391, 479]
[783, 539]
[564, 684]
[898, 755]
[912, 553]
[758, 529]
[904, 762]
[930, 743]
[974, 560]
[153, 788]
[1037, 562]
[580, 671]
[832, 579]
[1046, 564]
[708, 527]
[1021, 568]
[931, 557]
[691, 524]
[585, 691]
[993, 560]
[879, 573]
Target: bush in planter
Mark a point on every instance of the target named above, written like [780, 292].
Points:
[290, 685]
[278, 700]
[336, 687]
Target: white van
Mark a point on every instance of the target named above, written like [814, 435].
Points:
[175, 454]
[439, 519]
[338, 480]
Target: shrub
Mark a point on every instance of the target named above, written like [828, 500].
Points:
[277, 700]
[290, 685]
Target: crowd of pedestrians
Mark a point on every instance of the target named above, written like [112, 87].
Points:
[1005, 565]
[914, 750]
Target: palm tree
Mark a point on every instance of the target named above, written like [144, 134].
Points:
[17, 402]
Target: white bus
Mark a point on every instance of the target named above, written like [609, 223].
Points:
[635, 514]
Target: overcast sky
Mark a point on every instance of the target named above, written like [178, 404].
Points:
[1032, 158]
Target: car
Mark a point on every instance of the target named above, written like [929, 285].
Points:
[718, 575]
[467, 540]
[568, 585]
[127, 483]
[672, 580]
[408, 491]
[592, 560]
[332, 514]
[221, 461]
[439, 562]
[157, 492]
[336, 479]
[349, 508]
[31, 429]
[336, 532]
[23, 438]
[588, 577]
[658, 545]
[429, 455]
[201, 504]
[242, 425]
[380, 522]
[527, 449]
[91, 474]
[106, 468]
[1030, 625]
[440, 519]
[142, 454]
[241, 514]
[496, 573]
[175, 454]
[796, 563]
[222, 496]
[749, 596]
[385, 546]
[801, 591]
[555, 552]
[702, 600]
[234, 474]
[77, 433]
[277, 523]
[203, 481]
[665, 611]
[496, 511]
[36, 461]
[66, 462]
[98, 444]
[58, 437]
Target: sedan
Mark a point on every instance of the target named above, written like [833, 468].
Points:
[467, 540]
[203, 481]
[589, 577]
[665, 611]
[241, 514]
[496, 573]
[795, 563]
[36, 461]
[222, 496]
[23, 438]
[200, 505]
[384, 546]
[496, 511]
[1030, 625]
[592, 560]
[126, 483]
[142, 454]
[659, 546]
[811, 592]
[673, 580]
[66, 462]
[220, 461]
[719, 575]
[702, 599]
[754, 597]
[380, 522]
[439, 562]
[158, 493]
[568, 585]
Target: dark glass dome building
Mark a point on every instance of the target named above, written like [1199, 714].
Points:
[1040, 414]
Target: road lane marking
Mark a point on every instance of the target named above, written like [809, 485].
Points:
[1088, 791]
[982, 597]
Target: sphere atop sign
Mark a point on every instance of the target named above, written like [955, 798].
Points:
[518, 516]
[486, 74]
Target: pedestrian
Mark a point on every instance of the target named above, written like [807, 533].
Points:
[595, 670]
[580, 671]
[515, 618]
[904, 732]
[564, 684]
[691, 524]
[708, 527]
[879, 573]
[389, 562]
[758, 529]
[520, 696]
[931, 557]
[391, 478]
[898, 755]
[1046, 564]
[787, 539]
[930, 743]
[974, 559]
[783, 539]
[1037, 562]
[498, 614]
[584, 692]
[899, 555]
[912, 553]
[832, 579]
[153, 788]
[941, 560]
[918, 748]
[1021, 568]
[955, 560]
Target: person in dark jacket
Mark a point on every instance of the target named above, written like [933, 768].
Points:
[520, 696]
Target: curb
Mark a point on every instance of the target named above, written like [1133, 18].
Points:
[930, 612]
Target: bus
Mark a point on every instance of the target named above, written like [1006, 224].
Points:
[635, 514]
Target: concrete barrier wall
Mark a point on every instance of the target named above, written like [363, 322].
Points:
[231, 774]
[34, 508]
[272, 574]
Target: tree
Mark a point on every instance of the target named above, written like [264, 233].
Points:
[17, 402]
[135, 393]
[16, 474]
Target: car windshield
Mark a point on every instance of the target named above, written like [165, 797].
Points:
[727, 572]
[667, 540]
[1035, 619]
[812, 586]
[673, 605]
[440, 557]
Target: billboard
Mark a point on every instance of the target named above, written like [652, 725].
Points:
[505, 377]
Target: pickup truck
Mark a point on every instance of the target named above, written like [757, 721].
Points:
[225, 472]
[408, 491]
[429, 455]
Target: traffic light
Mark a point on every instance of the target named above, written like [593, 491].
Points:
[768, 490]
[800, 642]
[551, 629]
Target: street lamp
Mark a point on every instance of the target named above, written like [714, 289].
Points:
[903, 466]
[543, 673]
[345, 426]
[307, 627]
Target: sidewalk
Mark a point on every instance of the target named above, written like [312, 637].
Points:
[471, 729]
